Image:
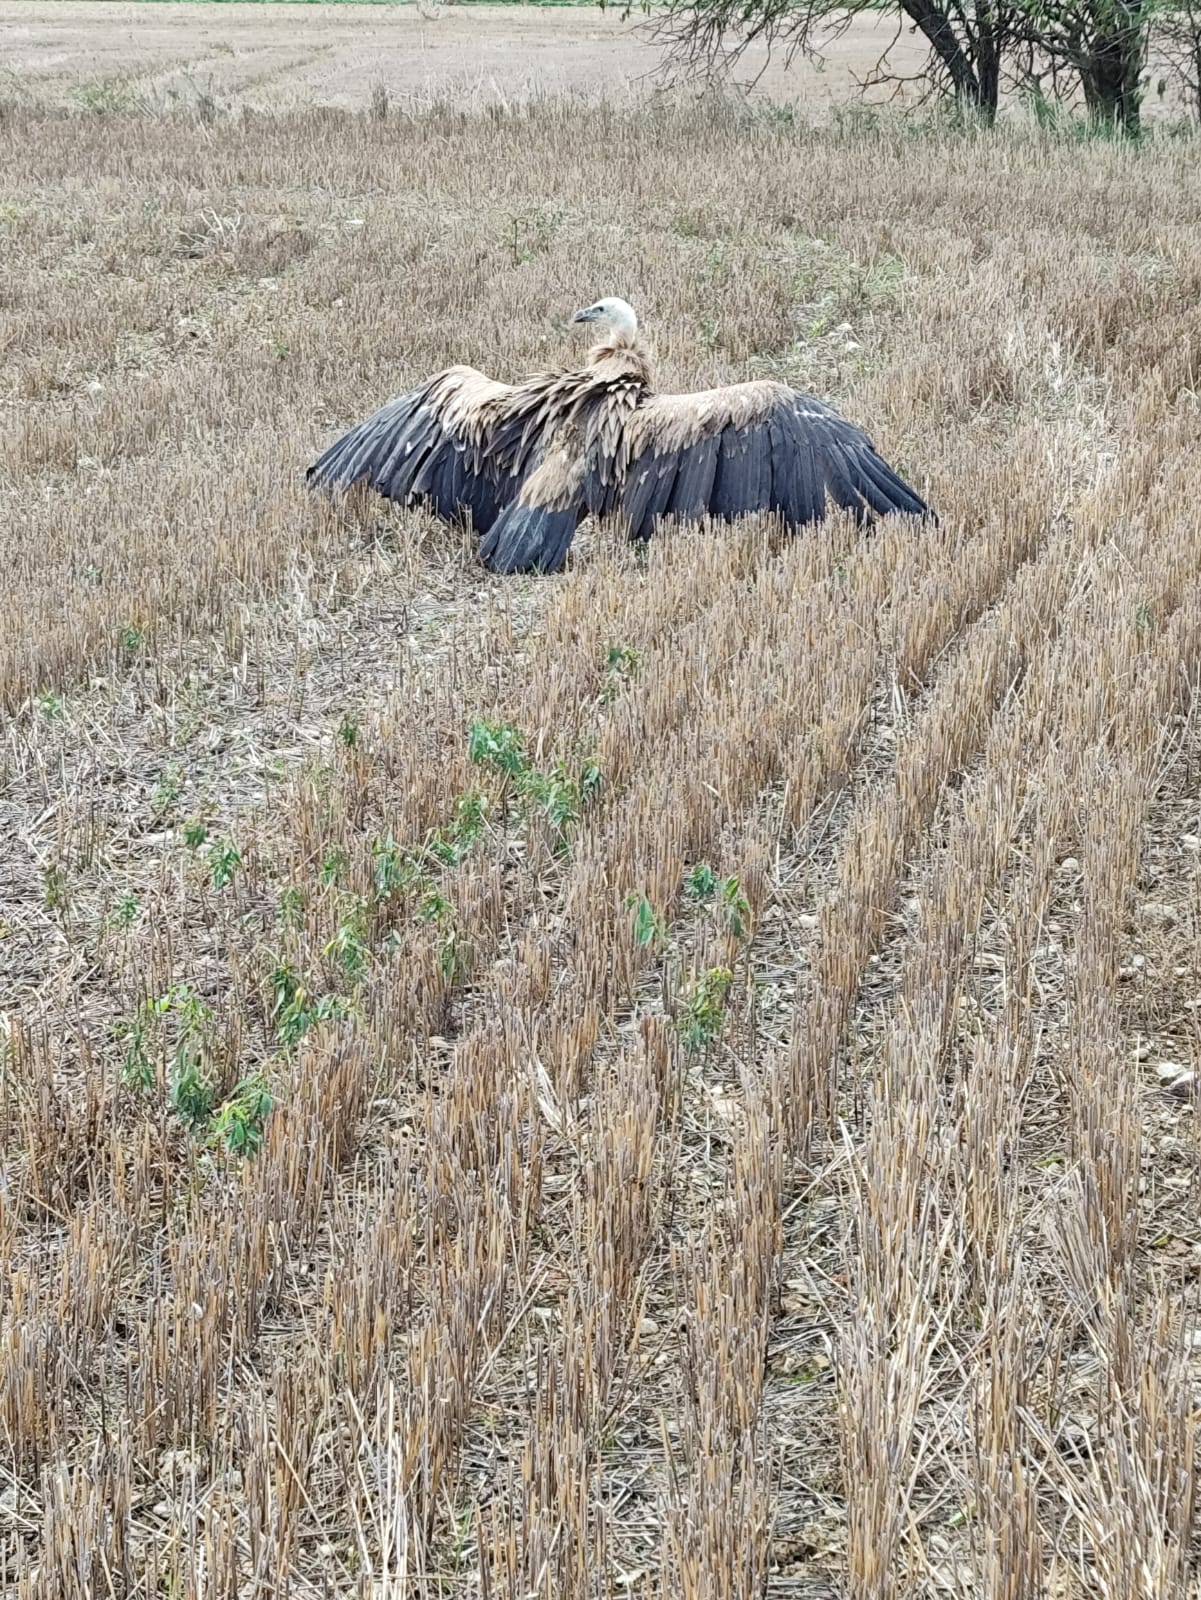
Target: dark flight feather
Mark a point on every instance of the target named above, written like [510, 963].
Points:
[529, 539]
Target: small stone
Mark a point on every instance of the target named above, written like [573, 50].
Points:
[807, 920]
[1191, 841]
[647, 1326]
[1157, 913]
[1069, 864]
[1138, 962]
[1169, 1069]
[179, 1466]
[1142, 1051]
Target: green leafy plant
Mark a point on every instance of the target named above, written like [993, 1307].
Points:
[126, 910]
[735, 908]
[348, 948]
[224, 861]
[701, 882]
[497, 745]
[648, 929]
[621, 663]
[703, 885]
[291, 906]
[705, 1009]
[333, 865]
[195, 832]
[240, 1123]
[168, 789]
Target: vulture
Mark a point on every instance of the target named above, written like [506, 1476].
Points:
[528, 461]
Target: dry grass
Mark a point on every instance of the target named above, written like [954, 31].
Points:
[615, 1227]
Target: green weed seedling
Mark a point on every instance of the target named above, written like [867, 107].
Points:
[224, 861]
[705, 1009]
[497, 745]
[126, 910]
[703, 885]
[333, 866]
[649, 930]
[621, 663]
[557, 793]
[296, 1010]
[291, 907]
[195, 832]
[240, 1124]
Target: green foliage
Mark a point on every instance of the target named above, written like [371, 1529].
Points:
[195, 832]
[701, 882]
[648, 928]
[55, 891]
[348, 731]
[703, 885]
[291, 906]
[241, 1122]
[497, 745]
[348, 949]
[392, 868]
[621, 658]
[191, 1096]
[734, 907]
[191, 1071]
[333, 866]
[705, 1009]
[556, 794]
[168, 789]
[137, 1070]
[126, 910]
[449, 845]
[295, 1010]
[224, 861]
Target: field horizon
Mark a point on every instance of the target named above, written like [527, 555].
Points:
[676, 1079]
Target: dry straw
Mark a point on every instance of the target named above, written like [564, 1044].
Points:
[701, 1134]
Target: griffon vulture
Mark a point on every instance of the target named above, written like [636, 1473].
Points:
[528, 461]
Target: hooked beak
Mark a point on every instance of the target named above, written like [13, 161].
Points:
[585, 314]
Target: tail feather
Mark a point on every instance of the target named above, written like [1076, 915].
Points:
[529, 539]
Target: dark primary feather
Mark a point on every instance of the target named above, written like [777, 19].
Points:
[437, 445]
[754, 447]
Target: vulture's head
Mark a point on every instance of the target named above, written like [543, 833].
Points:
[613, 318]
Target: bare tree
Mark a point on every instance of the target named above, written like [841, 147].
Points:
[968, 39]
[1098, 46]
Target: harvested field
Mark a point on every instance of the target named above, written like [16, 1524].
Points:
[164, 56]
[677, 1079]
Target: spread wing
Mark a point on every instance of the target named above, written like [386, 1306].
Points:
[750, 447]
[460, 442]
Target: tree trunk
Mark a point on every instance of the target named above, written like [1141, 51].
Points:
[1109, 71]
[972, 88]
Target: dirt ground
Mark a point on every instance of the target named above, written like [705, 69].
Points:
[287, 55]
